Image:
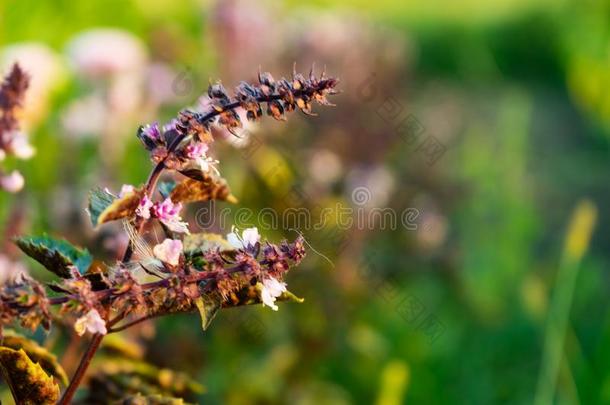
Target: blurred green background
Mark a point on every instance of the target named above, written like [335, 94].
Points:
[517, 94]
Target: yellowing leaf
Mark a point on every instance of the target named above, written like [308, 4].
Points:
[120, 377]
[121, 346]
[208, 306]
[28, 382]
[208, 188]
[47, 360]
[123, 207]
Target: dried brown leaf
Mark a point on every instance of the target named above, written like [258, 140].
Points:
[206, 189]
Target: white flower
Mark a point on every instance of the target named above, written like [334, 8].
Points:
[168, 251]
[233, 239]
[272, 288]
[249, 237]
[12, 182]
[107, 51]
[20, 146]
[91, 322]
[126, 189]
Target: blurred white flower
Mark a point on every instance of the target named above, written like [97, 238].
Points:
[85, 116]
[325, 166]
[12, 182]
[10, 270]
[91, 322]
[160, 80]
[432, 230]
[272, 288]
[378, 180]
[169, 251]
[249, 237]
[20, 146]
[107, 52]
[126, 92]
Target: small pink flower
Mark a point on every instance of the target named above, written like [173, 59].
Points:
[126, 189]
[170, 125]
[169, 214]
[272, 288]
[144, 207]
[167, 209]
[168, 251]
[90, 322]
[12, 182]
[196, 150]
[152, 131]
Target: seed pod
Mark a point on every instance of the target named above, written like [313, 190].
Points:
[275, 109]
[217, 91]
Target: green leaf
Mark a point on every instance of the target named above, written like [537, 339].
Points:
[208, 306]
[165, 188]
[47, 360]
[99, 200]
[57, 255]
[28, 382]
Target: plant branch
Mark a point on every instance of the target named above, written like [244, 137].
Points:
[191, 278]
[135, 322]
[140, 223]
[96, 340]
[158, 169]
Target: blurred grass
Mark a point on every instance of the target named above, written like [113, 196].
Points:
[577, 241]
